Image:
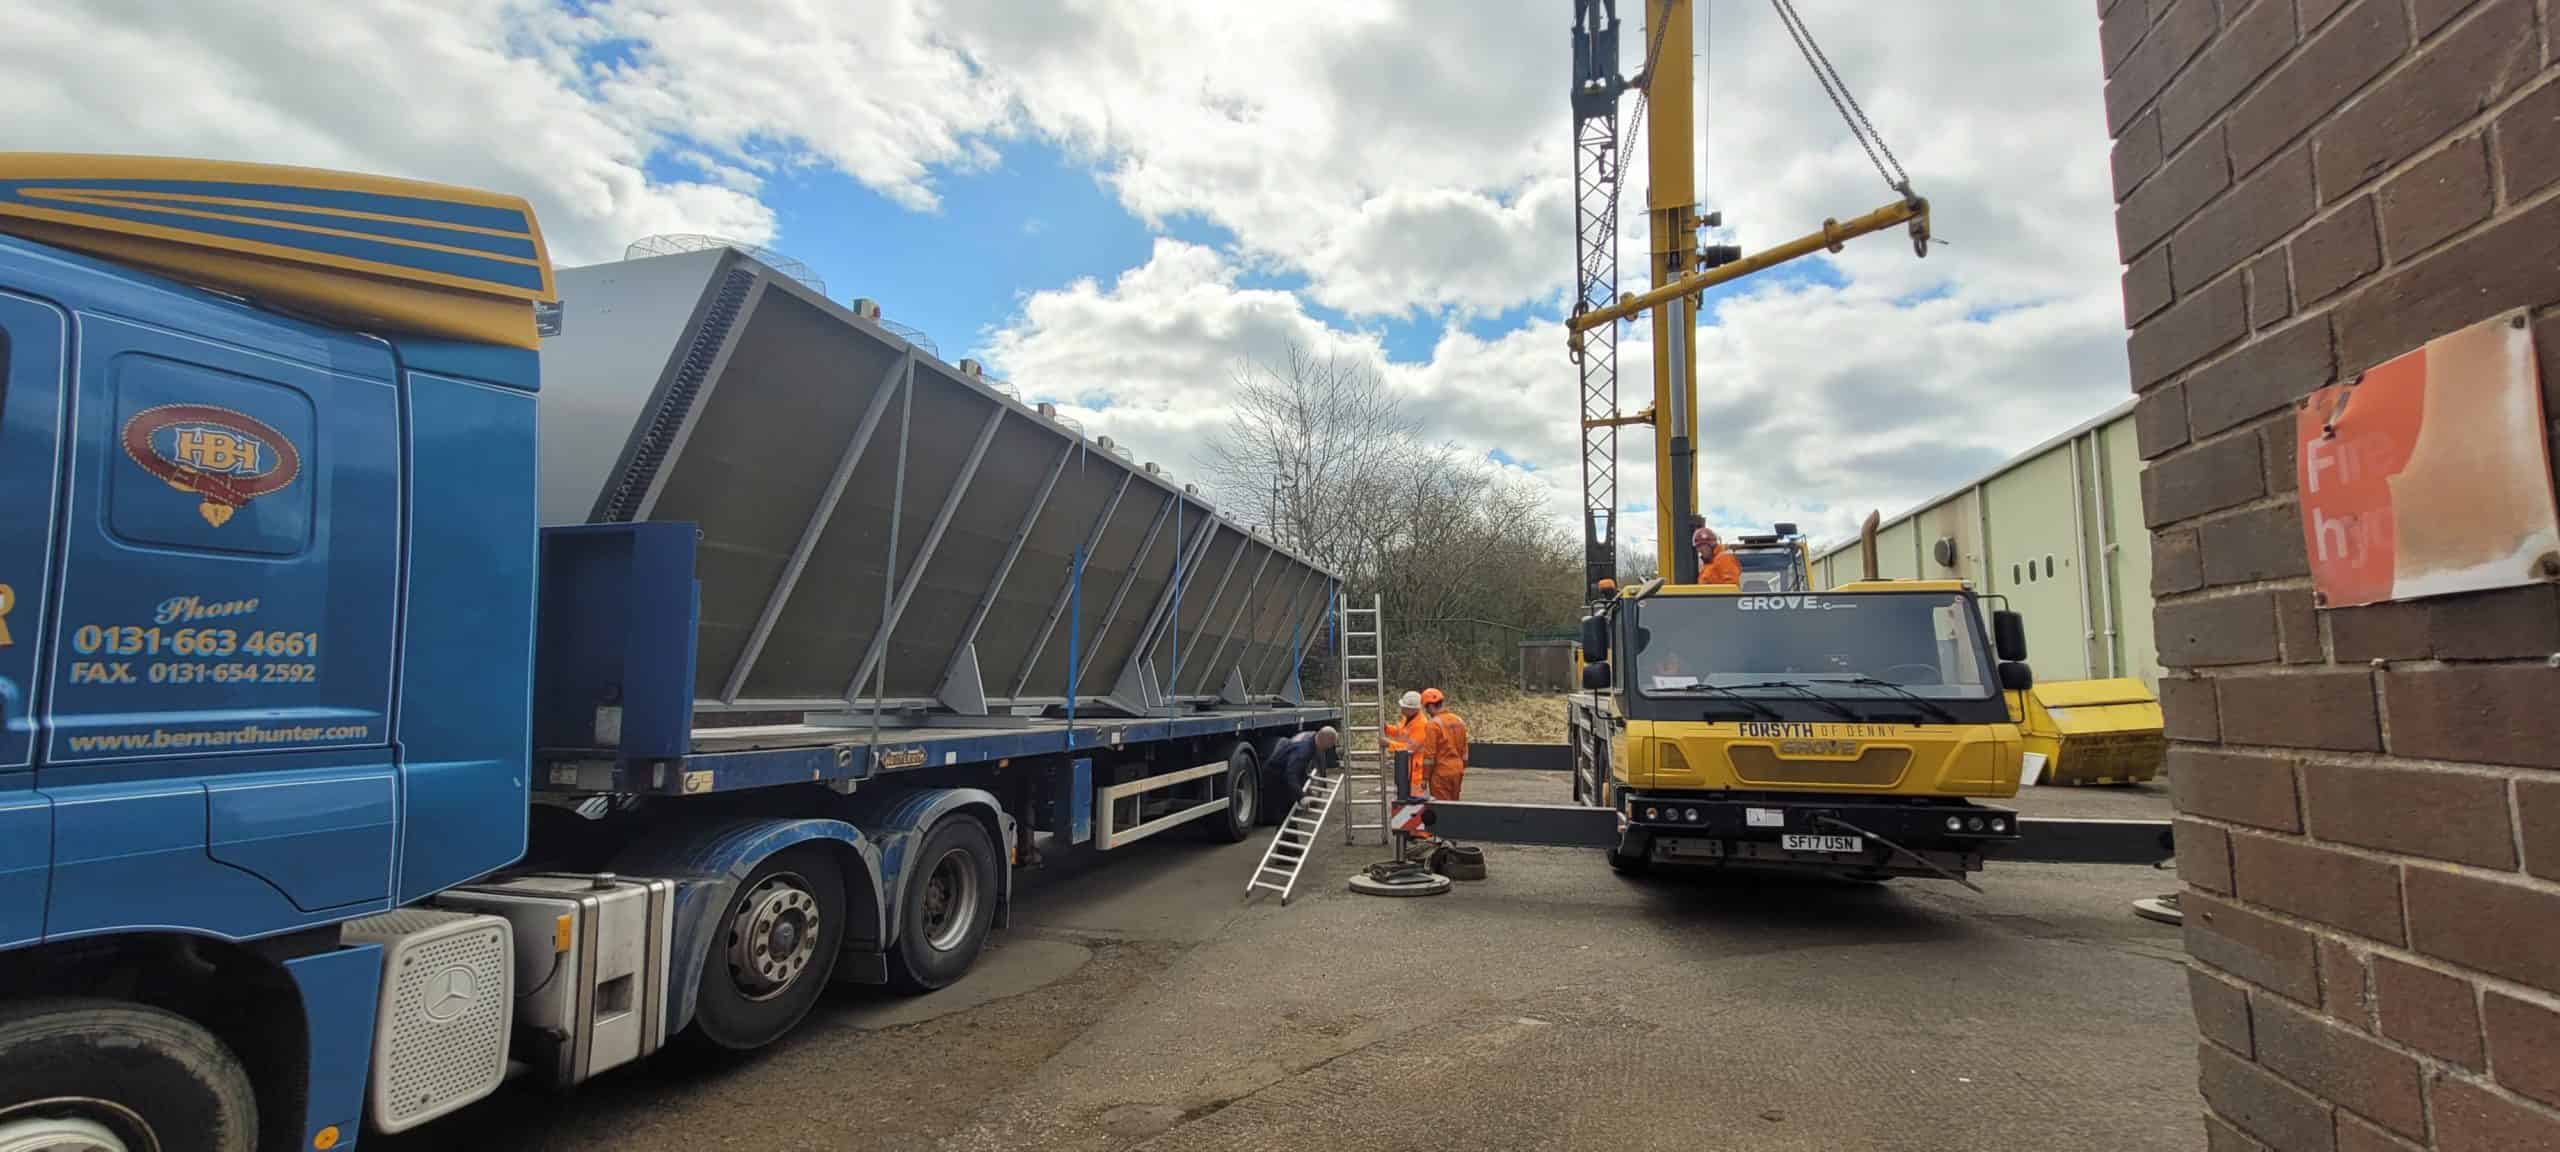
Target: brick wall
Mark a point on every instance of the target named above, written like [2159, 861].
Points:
[2369, 798]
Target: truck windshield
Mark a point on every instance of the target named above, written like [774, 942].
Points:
[1769, 570]
[1871, 644]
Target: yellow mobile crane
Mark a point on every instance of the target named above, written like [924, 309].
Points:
[1853, 731]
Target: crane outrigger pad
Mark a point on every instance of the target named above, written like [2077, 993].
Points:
[879, 527]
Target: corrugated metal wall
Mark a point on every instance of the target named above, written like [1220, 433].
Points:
[2059, 532]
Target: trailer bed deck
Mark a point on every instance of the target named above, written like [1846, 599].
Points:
[755, 756]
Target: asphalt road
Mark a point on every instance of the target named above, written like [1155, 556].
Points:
[1140, 1004]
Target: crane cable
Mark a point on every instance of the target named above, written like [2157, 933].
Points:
[1644, 92]
[1847, 105]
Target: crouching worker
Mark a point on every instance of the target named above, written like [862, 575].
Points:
[1297, 756]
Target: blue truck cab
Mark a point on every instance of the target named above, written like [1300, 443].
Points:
[286, 853]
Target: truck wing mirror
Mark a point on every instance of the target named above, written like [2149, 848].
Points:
[2008, 635]
[1595, 675]
[2015, 676]
[1595, 638]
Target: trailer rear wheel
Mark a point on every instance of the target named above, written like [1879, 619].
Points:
[1244, 798]
[99, 1076]
[775, 947]
[950, 903]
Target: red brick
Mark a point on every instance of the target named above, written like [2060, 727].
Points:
[2538, 815]
[2221, 1009]
[2456, 816]
[2174, 40]
[2345, 991]
[2136, 155]
[2234, 786]
[2176, 565]
[2120, 31]
[2350, 1068]
[2268, 953]
[2337, 60]
[2495, 714]
[2186, 183]
[2307, 709]
[2242, 224]
[2507, 624]
[2433, 15]
[2444, 194]
[2524, 1046]
[2220, 1136]
[2359, 1136]
[2201, 479]
[2449, 82]
[2146, 287]
[2428, 1010]
[2470, 1118]
[2357, 893]
[2502, 928]
[2298, 628]
[2277, 445]
[2254, 546]
[2186, 703]
[2317, 12]
[2252, 44]
[2529, 143]
[2225, 630]
[2268, 375]
[2515, 262]
[2204, 855]
[2270, 290]
[2257, 1103]
[2336, 252]
[2393, 631]
[2160, 419]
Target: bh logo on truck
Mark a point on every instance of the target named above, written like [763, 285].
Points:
[224, 458]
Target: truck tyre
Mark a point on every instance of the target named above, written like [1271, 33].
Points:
[950, 903]
[100, 1076]
[1244, 798]
[772, 949]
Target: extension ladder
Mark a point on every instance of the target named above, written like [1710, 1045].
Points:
[1366, 766]
[1296, 840]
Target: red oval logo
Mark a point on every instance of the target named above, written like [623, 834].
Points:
[224, 458]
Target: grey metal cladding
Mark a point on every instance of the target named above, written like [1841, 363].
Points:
[749, 430]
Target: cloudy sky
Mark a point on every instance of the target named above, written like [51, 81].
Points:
[1115, 202]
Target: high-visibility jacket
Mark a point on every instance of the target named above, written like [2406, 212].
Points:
[1723, 569]
[1394, 739]
[1454, 756]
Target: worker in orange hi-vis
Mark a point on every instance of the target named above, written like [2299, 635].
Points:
[1449, 752]
[1715, 565]
[1398, 737]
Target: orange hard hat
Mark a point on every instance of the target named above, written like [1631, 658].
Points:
[1608, 585]
[1431, 696]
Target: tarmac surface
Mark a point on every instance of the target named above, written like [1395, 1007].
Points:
[1140, 1003]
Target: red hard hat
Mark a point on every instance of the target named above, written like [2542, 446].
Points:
[1431, 696]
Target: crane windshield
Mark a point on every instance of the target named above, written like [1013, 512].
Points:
[1882, 645]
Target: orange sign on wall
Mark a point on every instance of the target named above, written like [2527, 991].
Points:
[2430, 475]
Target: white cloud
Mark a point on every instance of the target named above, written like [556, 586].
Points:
[1817, 404]
[1387, 159]
[484, 93]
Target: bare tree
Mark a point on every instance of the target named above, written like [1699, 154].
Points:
[1306, 450]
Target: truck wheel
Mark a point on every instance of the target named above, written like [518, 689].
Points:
[950, 903]
[774, 948]
[99, 1076]
[1244, 799]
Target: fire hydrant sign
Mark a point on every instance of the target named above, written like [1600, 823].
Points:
[2430, 475]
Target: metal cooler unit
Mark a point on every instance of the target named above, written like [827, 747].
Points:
[881, 529]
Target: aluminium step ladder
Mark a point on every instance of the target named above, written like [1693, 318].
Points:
[1296, 840]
